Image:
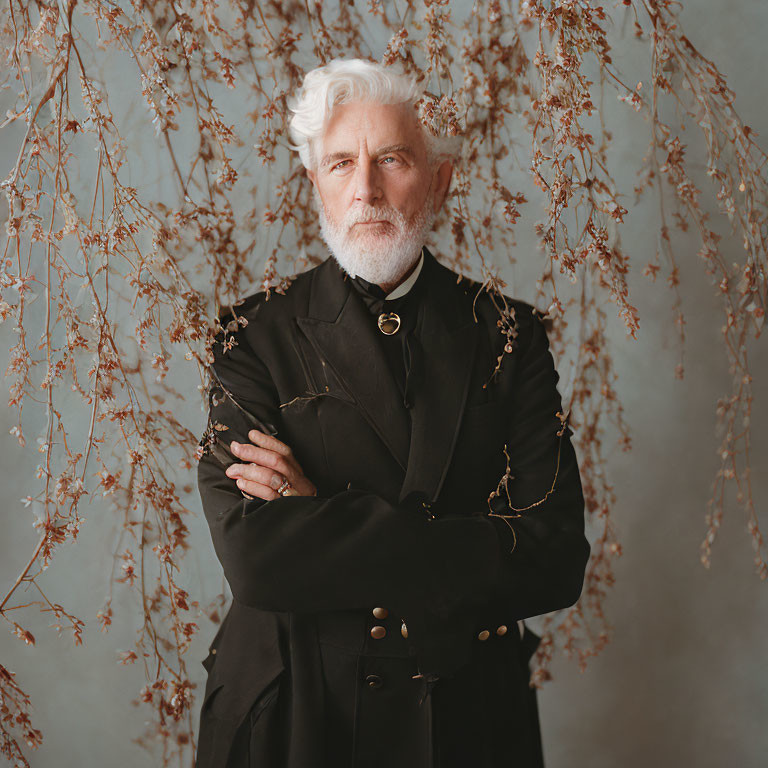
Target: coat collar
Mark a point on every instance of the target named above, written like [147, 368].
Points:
[341, 328]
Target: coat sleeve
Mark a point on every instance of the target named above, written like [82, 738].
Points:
[542, 533]
[544, 551]
[352, 550]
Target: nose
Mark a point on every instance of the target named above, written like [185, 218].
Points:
[367, 182]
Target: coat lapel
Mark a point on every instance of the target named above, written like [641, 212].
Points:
[448, 335]
[344, 334]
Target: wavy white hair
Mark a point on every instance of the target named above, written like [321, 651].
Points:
[343, 80]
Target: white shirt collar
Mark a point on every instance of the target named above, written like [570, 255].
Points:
[406, 286]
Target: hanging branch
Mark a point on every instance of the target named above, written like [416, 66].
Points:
[113, 288]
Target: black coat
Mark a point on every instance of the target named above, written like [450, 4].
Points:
[400, 524]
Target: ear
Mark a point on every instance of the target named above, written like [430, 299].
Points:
[442, 181]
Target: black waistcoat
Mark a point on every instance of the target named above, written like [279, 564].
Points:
[402, 347]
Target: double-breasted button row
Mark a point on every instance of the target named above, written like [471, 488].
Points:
[485, 634]
[377, 631]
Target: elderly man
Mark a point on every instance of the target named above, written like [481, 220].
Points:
[387, 476]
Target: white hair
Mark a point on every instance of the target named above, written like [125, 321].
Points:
[344, 80]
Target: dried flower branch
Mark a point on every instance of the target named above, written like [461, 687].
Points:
[113, 293]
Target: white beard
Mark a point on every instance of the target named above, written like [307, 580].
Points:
[380, 256]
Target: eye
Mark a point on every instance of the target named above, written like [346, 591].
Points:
[339, 165]
[389, 157]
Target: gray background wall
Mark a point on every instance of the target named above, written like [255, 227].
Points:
[684, 680]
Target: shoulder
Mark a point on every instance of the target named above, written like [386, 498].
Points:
[499, 311]
[241, 328]
[275, 304]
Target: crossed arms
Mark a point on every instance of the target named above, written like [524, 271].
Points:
[354, 549]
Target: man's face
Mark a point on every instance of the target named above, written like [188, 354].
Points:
[376, 193]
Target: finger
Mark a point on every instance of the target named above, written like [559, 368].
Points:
[271, 443]
[304, 487]
[246, 484]
[265, 458]
[256, 473]
[264, 492]
[256, 490]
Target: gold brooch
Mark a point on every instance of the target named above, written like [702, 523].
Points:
[389, 323]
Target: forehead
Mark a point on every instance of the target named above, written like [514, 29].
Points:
[378, 124]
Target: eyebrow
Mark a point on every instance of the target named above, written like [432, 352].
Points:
[343, 155]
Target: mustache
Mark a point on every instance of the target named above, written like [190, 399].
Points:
[361, 216]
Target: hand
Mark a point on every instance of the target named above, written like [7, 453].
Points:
[270, 463]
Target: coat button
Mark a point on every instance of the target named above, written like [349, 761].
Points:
[213, 651]
[403, 630]
[378, 632]
[374, 681]
[484, 635]
[501, 630]
[380, 613]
